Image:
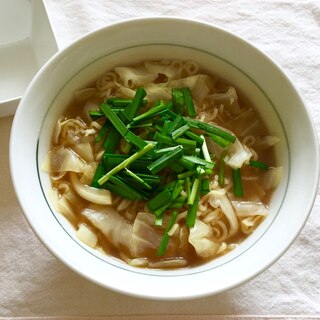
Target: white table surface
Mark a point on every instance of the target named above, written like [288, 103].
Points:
[34, 283]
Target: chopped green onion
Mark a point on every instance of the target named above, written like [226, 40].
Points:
[194, 190]
[138, 179]
[152, 180]
[186, 174]
[219, 140]
[163, 138]
[142, 124]
[205, 185]
[188, 189]
[189, 165]
[100, 171]
[124, 193]
[179, 132]
[95, 114]
[211, 129]
[134, 139]
[199, 161]
[237, 183]
[114, 119]
[118, 102]
[137, 101]
[165, 239]
[192, 210]
[166, 160]
[205, 150]
[111, 160]
[103, 131]
[171, 114]
[177, 190]
[125, 163]
[161, 199]
[176, 167]
[189, 103]
[185, 143]
[122, 184]
[158, 221]
[258, 164]
[194, 136]
[178, 203]
[151, 112]
[166, 125]
[222, 167]
[112, 140]
[177, 122]
[161, 152]
[178, 100]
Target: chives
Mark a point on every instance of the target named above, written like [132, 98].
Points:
[187, 143]
[114, 119]
[192, 211]
[219, 140]
[120, 191]
[137, 101]
[188, 189]
[102, 132]
[189, 103]
[205, 185]
[179, 132]
[178, 203]
[258, 164]
[205, 150]
[194, 190]
[165, 239]
[221, 172]
[165, 160]
[134, 139]
[100, 171]
[237, 183]
[175, 124]
[95, 114]
[199, 161]
[151, 112]
[112, 140]
[211, 129]
[143, 124]
[161, 199]
[177, 100]
[125, 187]
[176, 167]
[138, 179]
[194, 136]
[186, 174]
[160, 152]
[112, 160]
[125, 163]
[118, 102]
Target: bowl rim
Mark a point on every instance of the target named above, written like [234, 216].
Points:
[124, 23]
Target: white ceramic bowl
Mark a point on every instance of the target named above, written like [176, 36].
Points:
[216, 50]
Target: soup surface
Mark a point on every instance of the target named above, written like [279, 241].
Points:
[162, 165]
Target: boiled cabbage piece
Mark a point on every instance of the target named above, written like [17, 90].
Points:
[249, 208]
[138, 240]
[201, 238]
[219, 198]
[138, 76]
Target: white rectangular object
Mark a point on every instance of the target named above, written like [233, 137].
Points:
[26, 43]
